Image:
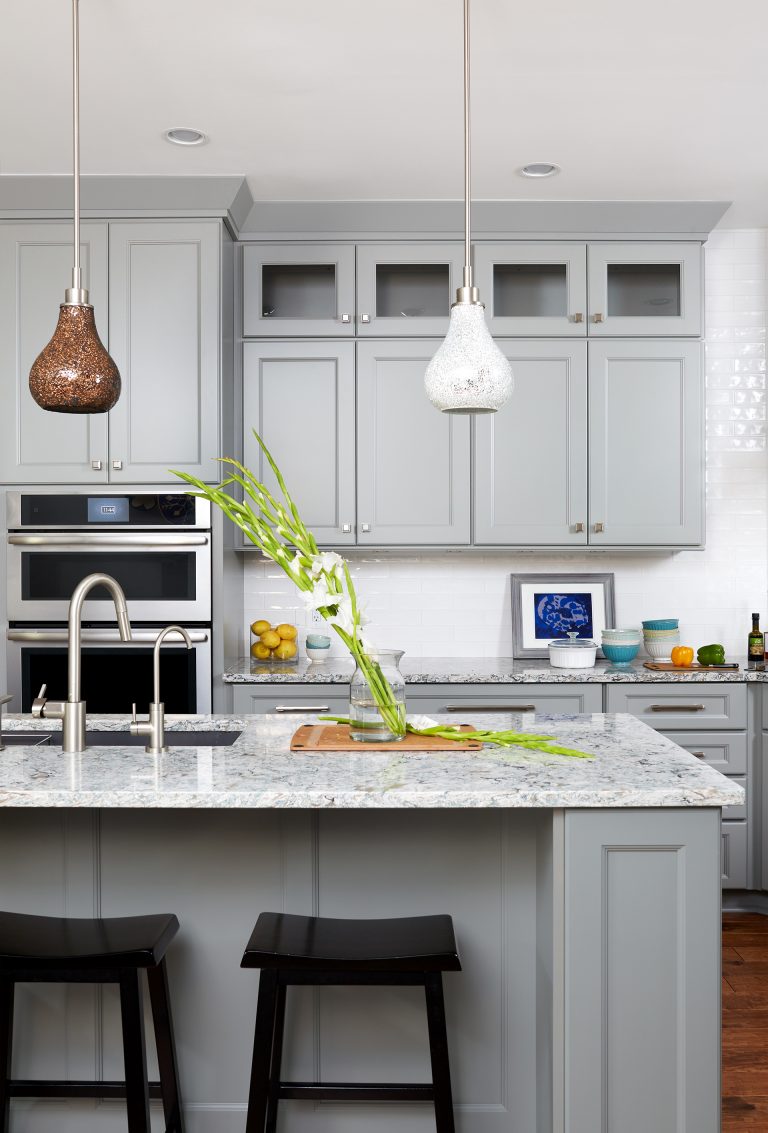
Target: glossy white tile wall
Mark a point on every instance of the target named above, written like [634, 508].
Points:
[459, 604]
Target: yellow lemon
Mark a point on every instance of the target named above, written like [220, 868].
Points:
[285, 650]
[260, 627]
[287, 632]
[270, 639]
[260, 651]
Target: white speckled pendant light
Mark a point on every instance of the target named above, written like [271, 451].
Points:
[468, 374]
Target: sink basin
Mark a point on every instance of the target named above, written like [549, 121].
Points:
[27, 739]
[172, 739]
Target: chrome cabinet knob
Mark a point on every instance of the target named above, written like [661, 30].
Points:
[599, 528]
[365, 318]
[345, 318]
[346, 528]
[578, 528]
[578, 317]
[365, 527]
[598, 318]
[117, 465]
[96, 465]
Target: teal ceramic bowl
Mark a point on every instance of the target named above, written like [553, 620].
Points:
[620, 656]
[662, 623]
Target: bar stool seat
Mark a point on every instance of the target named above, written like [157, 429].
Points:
[38, 949]
[291, 949]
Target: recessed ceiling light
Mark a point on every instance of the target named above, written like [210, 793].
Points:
[185, 136]
[539, 169]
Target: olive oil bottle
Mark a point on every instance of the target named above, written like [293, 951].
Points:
[756, 645]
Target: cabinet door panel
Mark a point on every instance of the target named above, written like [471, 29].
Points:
[533, 289]
[300, 397]
[306, 289]
[37, 447]
[642, 288]
[164, 331]
[530, 458]
[413, 462]
[646, 462]
[405, 289]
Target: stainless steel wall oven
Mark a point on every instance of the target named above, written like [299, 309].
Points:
[157, 546]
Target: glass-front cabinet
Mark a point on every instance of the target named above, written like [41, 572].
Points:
[298, 289]
[533, 289]
[645, 289]
[406, 289]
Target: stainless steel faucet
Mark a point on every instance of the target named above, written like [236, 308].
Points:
[6, 698]
[72, 711]
[154, 726]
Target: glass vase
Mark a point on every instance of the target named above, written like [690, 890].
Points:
[377, 698]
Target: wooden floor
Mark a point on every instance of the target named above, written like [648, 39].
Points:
[745, 1022]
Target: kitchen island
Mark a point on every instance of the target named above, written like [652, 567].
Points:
[585, 895]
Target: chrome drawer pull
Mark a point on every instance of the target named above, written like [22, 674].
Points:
[490, 708]
[698, 754]
[302, 708]
[676, 707]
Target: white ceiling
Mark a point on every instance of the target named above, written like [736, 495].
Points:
[361, 99]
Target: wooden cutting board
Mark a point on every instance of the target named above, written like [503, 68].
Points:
[668, 667]
[335, 737]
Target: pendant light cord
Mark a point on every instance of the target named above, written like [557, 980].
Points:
[76, 274]
[467, 153]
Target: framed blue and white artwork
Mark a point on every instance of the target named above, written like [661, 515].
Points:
[546, 607]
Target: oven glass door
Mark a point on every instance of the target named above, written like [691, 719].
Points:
[114, 676]
[167, 578]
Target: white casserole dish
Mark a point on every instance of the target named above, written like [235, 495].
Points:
[572, 653]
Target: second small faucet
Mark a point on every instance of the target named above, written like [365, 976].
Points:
[154, 727]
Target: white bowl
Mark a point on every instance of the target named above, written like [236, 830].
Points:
[317, 653]
[661, 650]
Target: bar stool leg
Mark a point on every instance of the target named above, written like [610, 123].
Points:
[7, 989]
[438, 1049]
[277, 1058]
[134, 1052]
[157, 979]
[262, 1052]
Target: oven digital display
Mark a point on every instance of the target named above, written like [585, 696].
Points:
[103, 509]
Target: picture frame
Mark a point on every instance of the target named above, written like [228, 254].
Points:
[545, 607]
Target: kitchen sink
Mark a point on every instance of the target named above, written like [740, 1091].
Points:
[27, 739]
[172, 739]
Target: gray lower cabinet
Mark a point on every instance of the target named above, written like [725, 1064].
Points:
[642, 932]
[165, 335]
[291, 699]
[300, 397]
[37, 447]
[646, 443]
[477, 699]
[543, 427]
[413, 463]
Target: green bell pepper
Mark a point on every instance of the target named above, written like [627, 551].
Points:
[711, 655]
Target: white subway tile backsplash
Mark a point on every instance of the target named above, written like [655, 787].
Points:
[459, 604]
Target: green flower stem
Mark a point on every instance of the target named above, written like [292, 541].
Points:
[500, 739]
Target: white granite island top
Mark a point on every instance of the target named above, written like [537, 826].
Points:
[471, 670]
[632, 766]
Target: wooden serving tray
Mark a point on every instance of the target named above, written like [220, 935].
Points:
[695, 667]
[335, 737]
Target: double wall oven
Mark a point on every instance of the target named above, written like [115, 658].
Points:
[158, 547]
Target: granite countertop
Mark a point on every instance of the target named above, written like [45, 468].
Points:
[633, 766]
[467, 670]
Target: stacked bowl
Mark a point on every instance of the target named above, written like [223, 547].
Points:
[660, 636]
[621, 646]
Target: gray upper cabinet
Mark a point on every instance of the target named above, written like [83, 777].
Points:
[530, 458]
[37, 447]
[300, 397]
[164, 333]
[406, 289]
[533, 289]
[645, 289]
[413, 463]
[298, 289]
[646, 462]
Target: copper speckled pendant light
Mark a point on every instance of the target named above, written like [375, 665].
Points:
[74, 373]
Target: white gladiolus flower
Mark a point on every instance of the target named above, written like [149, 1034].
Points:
[419, 722]
[295, 565]
[328, 562]
[320, 596]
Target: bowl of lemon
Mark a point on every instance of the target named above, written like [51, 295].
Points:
[274, 643]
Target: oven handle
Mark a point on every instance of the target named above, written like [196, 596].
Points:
[59, 636]
[117, 539]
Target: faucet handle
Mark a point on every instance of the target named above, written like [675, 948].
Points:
[134, 717]
[38, 704]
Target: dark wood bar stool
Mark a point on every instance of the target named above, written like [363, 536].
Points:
[318, 950]
[63, 950]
